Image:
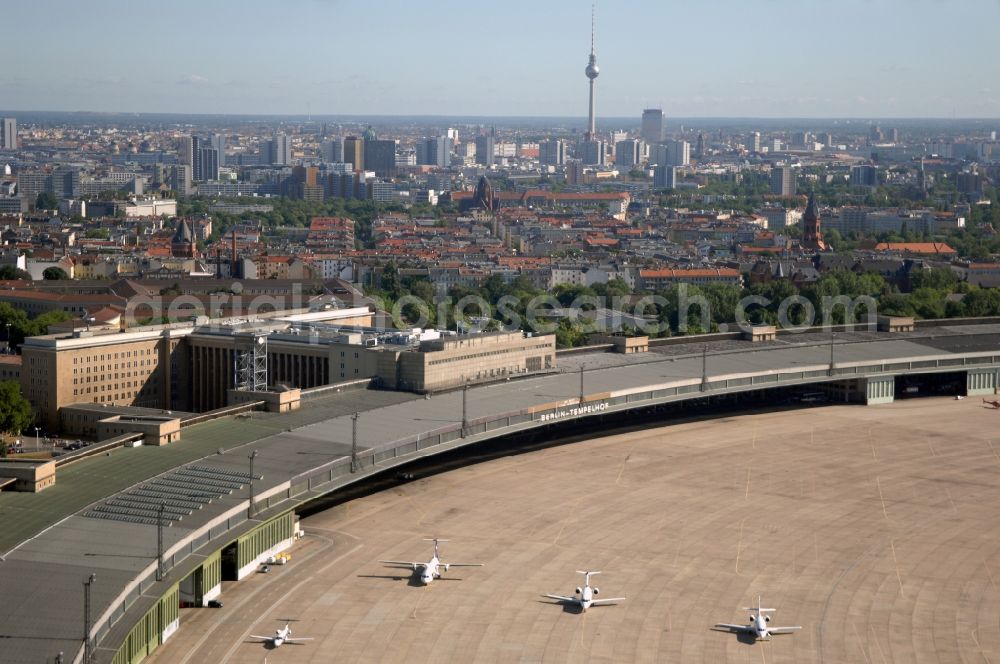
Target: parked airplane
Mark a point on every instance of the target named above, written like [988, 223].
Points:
[758, 623]
[283, 635]
[585, 597]
[432, 569]
[993, 404]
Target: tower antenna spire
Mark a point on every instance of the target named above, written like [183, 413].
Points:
[593, 25]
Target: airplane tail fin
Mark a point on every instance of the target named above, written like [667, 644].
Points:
[758, 608]
[435, 540]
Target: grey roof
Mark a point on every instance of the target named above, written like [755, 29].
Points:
[41, 578]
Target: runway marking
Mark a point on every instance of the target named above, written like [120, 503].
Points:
[878, 483]
[987, 568]
[739, 545]
[976, 641]
[746, 496]
[624, 461]
[895, 563]
[878, 645]
[872, 443]
[990, 443]
[931, 445]
[753, 440]
[948, 491]
[861, 644]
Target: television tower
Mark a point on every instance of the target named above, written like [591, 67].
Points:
[592, 72]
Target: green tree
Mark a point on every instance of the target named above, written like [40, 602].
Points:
[54, 274]
[10, 272]
[15, 411]
[46, 200]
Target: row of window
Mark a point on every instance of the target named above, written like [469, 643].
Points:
[490, 353]
[113, 356]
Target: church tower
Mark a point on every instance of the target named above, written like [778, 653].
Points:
[812, 237]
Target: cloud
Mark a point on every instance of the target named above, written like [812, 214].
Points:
[193, 79]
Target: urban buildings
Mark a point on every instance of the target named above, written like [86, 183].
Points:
[665, 177]
[652, 125]
[783, 181]
[552, 152]
[354, 152]
[485, 149]
[8, 134]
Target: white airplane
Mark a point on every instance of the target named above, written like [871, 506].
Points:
[283, 635]
[758, 623]
[432, 569]
[585, 597]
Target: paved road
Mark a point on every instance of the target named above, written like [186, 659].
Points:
[874, 528]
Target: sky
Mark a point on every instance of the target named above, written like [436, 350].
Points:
[693, 58]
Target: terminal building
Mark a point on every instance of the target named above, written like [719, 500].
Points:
[194, 368]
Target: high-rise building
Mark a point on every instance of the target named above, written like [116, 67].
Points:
[753, 141]
[380, 156]
[593, 152]
[699, 146]
[218, 142]
[678, 153]
[485, 149]
[592, 71]
[665, 177]
[8, 137]
[652, 125]
[332, 151]
[185, 150]
[628, 153]
[552, 152]
[894, 135]
[197, 143]
[434, 151]
[783, 181]
[277, 151]
[208, 158]
[812, 237]
[864, 176]
[354, 152]
[180, 179]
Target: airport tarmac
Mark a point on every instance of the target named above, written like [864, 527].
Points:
[875, 528]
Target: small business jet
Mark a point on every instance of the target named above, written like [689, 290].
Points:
[432, 569]
[585, 596]
[283, 635]
[993, 404]
[758, 624]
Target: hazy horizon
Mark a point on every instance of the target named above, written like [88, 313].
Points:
[869, 59]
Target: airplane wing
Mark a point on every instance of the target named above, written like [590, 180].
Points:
[562, 598]
[736, 628]
[783, 630]
[404, 563]
[465, 564]
[607, 600]
[262, 638]
[298, 638]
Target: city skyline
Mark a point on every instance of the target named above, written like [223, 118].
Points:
[873, 58]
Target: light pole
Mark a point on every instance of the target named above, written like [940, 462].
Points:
[582, 367]
[831, 350]
[160, 570]
[465, 408]
[250, 509]
[87, 646]
[704, 367]
[355, 464]
[38, 445]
